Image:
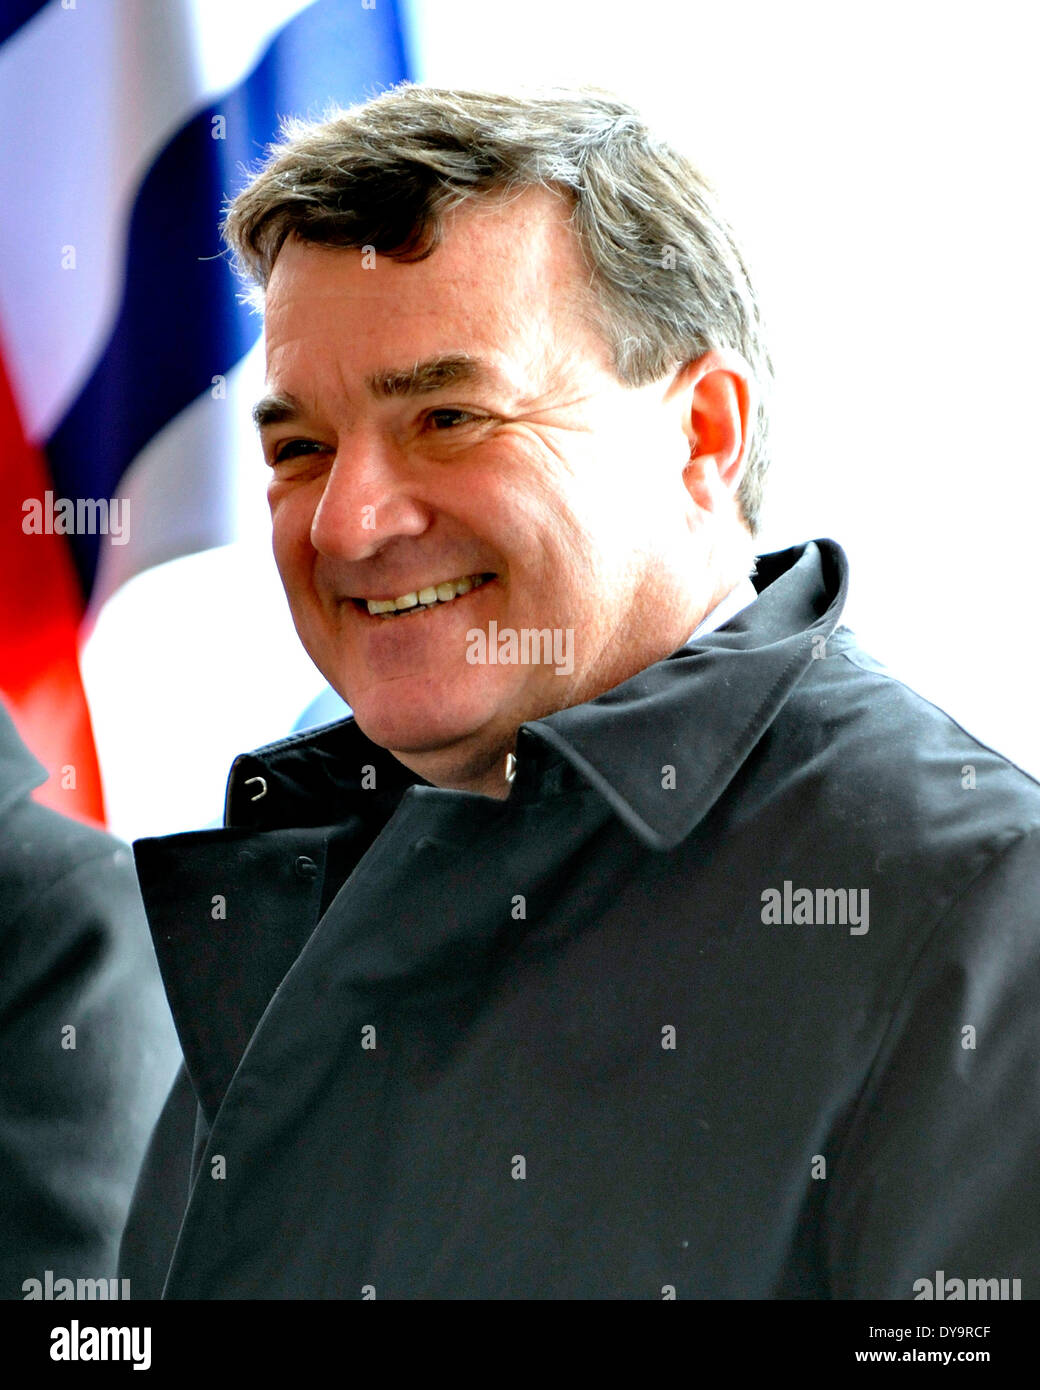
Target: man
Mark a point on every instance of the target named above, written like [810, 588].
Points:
[87, 1047]
[638, 937]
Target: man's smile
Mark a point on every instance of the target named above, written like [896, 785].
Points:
[420, 599]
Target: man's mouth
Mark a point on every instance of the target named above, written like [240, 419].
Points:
[419, 600]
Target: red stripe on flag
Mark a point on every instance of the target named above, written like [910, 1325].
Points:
[39, 631]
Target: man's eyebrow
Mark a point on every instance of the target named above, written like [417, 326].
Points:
[276, 410]
[422, 378]
[433, 374]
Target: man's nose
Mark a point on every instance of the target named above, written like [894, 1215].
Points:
[368, 500]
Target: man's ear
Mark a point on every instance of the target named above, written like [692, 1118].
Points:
[715, 395]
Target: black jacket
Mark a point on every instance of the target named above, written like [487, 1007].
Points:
[87, 1046]
[598, 1040]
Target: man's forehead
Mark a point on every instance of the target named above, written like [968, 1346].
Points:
[502, 263]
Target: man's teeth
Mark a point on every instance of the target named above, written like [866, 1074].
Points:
[425, 598]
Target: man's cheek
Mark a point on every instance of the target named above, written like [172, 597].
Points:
[290, 542]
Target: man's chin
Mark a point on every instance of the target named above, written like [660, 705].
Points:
[415, 730]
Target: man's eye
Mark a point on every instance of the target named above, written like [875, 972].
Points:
[293, 448]
[445, 418]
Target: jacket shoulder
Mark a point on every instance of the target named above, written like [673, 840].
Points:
[42, 848]
[885, 743]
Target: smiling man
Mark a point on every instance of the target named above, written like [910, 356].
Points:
[638, 936]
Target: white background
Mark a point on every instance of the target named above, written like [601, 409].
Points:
[879, 164]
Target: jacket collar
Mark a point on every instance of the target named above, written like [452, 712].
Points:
[659, 748]
[20, 772]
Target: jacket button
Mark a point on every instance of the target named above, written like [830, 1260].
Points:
[305, 868]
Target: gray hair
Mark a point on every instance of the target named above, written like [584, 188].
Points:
[668, 278]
